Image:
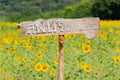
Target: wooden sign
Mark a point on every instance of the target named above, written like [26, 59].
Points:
[87, 26]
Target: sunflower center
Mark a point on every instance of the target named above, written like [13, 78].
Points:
[86, 48]
[87, 68]
[44, 67]
[38, 67]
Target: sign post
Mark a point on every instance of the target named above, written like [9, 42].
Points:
[87, 26]
[61, 58]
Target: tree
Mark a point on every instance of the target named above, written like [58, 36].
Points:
[115, 8]
[106, 9]
[80, 10]
[56, 1]
[4, 2]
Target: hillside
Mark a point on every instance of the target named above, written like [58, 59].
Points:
[32, 7]
[21, 10]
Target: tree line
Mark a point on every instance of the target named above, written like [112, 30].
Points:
[20, 10]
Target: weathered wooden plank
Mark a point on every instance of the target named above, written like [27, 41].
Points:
[87, 26]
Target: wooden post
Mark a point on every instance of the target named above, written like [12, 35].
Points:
[61, 58]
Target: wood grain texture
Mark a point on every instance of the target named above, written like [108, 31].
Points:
[87, 26]
[61, 58]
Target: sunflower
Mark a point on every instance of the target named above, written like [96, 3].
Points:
[52, 71]
[11, 77]
[39, 55]
[96, 73]
[2, 70]
[117, 42]
[6, 40]
[56, 61]
[53, 44]
[38, 67]
[102, 34]
[86, 48]
[87, 68]
[89, 41]
[116, 60]
[17, 57]
[45, 67]
[68, 75]
[33, 61]
[24, 58]
[1, 46]
[4, 77]
[83, 64]
[28, 45]
[118, 51]
[111, 30]
[21, 64]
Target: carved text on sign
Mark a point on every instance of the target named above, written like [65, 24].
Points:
[85, 26]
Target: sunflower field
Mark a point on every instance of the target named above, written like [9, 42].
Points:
[36, 58]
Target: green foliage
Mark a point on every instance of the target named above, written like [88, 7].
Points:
[68, 11]
[82, 10]
[54, 14]
[19, 10]
[106, 9]
[30, 10]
